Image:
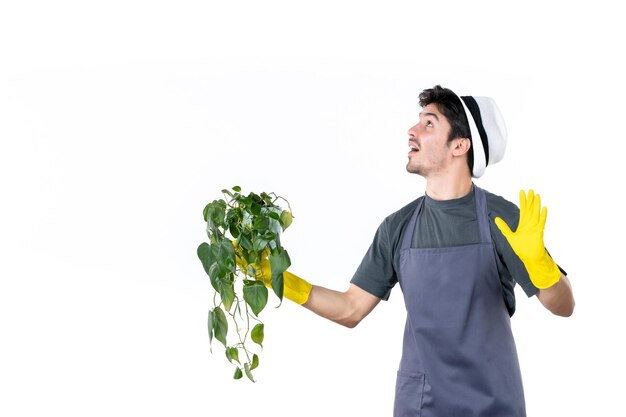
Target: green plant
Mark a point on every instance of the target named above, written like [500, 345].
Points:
[255, 221]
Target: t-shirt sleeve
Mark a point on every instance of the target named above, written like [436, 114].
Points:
[376, 273]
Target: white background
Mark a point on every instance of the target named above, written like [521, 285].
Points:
[120, 120]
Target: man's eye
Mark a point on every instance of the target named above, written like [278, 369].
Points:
[429, 123]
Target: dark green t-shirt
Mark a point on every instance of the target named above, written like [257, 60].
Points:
[443, 224]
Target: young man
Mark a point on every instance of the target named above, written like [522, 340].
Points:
[456, 260]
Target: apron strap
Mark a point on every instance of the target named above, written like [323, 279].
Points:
[482, 214]
[407, 238]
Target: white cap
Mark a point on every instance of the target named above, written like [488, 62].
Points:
[487, 130]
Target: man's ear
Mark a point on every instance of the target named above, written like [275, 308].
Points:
[461, 146]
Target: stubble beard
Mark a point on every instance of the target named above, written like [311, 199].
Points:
[414, 168]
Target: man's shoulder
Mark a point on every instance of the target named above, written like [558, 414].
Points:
[398, 218]
[499, 206]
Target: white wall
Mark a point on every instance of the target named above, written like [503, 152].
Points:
[120, 121]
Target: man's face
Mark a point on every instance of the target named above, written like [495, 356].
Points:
[429, 152]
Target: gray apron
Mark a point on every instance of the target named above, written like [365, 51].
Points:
[459, 356]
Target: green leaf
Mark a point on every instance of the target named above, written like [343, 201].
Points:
[206, 255]
[255, 208]
[220, 325]
[214, 213]
[227, 293]
[237, 188]
[244, 201]
[224, 249]
[248, 373]
[261, 223]
[269, 235]
[211, 326]
[232, 353]
[234, 230]
[279, 262]
[218, 261]
[285, 219]
[278, 285]
[259, 244]
[255, 361]
[267, 199]
[233, 221]
[244, 241]
[226, 255]
[205, 212]
[258, 334]
[219, 269]
[238, 373]
[255, 294]
[216, 272]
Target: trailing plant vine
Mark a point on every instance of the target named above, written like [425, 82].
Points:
[243, 230]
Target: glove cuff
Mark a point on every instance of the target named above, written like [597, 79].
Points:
[296, 288]
[544, 273]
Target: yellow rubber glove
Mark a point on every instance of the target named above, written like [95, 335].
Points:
[527, 241]
[295, 288]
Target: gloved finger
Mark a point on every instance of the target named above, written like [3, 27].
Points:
[523, 209]
[543, 217]
[531, 206]
[537, 209]
[504, 228]
[522, 202]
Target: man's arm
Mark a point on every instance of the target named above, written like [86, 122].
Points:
[346, 308]
[555, 290]
[559, 298]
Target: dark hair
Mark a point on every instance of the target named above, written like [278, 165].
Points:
[450, 105]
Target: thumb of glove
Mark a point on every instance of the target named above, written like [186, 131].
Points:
[504, 228]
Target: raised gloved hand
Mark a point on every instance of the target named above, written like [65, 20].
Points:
[527, 241]
[295, 288]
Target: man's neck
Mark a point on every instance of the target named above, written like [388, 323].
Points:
[448, 189]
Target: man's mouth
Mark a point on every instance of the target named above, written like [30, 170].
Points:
[413, 148]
